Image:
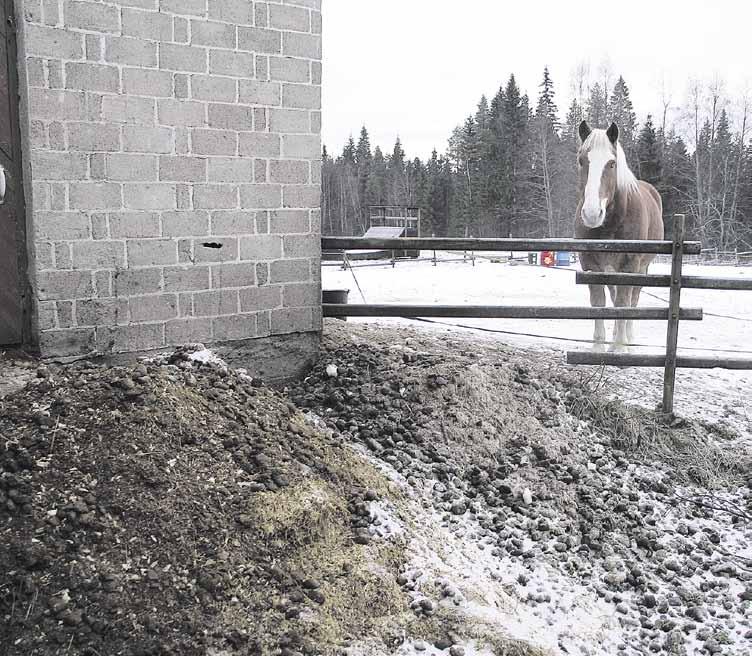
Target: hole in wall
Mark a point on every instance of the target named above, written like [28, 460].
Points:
[212, 244]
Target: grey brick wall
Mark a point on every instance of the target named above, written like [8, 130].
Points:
[172, 155]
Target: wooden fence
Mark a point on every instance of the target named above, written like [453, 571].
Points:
[677, 249]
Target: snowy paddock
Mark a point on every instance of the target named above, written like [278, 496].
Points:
[725, 330]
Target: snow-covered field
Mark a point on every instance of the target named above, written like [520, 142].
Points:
[726, 329]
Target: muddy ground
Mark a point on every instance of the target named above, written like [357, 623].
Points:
[414, 494]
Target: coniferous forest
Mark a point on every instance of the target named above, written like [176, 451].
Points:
[509, 168]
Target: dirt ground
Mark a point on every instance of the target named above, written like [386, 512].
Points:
[405, 497]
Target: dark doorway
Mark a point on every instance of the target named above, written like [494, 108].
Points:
[12, 221]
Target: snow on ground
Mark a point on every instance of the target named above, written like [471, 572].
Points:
[726, 330]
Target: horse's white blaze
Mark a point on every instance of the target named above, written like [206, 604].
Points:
[594, 207]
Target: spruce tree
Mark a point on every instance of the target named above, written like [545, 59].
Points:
[596, 110]
[363, 160]
[621, 111]
[649, 153]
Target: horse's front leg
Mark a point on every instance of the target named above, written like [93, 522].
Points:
[598, 299]
[634, 300]
[623, 300]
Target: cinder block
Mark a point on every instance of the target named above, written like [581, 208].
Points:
[147, 25]
[185, 7]
[125, 167]
[230, 169]
[316, 73]
[53, 43]
[147, 140]
[227, 62]
[261, 247]
[57, 226]
[130, 225]
[46, 165]
[147, 82]
[316, 22]
[230, 117]
[233, 274]
[303, 96]
[285, 17]
[301, 146]
[185, 224]
[98, 254]
[211, 87]
[289, 222]
[132, 282]
[130, 51]
[55, 285]
[258, 144]
[291, 320]
[297, 246]
[302, 295]
[215, 303]
[91, 16]
[180, 30]
[284, 271]
[126, 339]
[129, 109]
[174, 57]
[306, 196]
[215, 197]
[316, 122]
[150, 196]
[152, 252]
[289, 120]
[261, 11]
[215, 249]
[97, 312]
[257, 299]
[62, 343]
[93, 137]
[289, 69]
[214, 142]
[182, 169]
[296, 44]
[289, 171]
[210, 33]
[48, 104]
[186, 278]
[188, 331]
[260, 196]
[256, 92]
[239, 12]
[238, 327]
[94, 196]
[181, 113]
[233, 223]
[260, 40]
[161, 307]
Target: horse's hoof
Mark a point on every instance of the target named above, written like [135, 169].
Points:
[619, 348]
[599, 347]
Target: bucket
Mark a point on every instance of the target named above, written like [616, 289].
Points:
[563, 259]
[547, 258]
[335, 296]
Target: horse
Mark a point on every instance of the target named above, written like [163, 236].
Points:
[613, 204]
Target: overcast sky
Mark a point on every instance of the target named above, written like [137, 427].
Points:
[417, 68]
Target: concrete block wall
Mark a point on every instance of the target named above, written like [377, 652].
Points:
[172, 153]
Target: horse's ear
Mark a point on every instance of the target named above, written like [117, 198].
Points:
[584, 130]
[613, 133]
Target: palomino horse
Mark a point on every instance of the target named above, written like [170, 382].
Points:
[614, 204]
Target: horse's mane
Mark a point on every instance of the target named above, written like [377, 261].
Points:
[625, 179]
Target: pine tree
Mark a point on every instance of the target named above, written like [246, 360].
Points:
[376, 193]
[649, 153]
[596, 110]
[396, 180]
[363, 161]
[621, 111]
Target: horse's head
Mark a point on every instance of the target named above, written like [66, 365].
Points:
[599, 159]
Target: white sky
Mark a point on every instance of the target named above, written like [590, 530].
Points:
[417, 68]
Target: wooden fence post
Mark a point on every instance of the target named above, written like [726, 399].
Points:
[672, 332]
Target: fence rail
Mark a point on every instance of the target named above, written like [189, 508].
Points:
[505, 312]
[509, 245]
[641, 280]
[673, 315]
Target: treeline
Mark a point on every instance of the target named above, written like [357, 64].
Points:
[510, 168]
